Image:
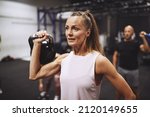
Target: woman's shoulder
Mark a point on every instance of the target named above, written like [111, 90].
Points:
[60, 57]
[102, 64]
[101, 59]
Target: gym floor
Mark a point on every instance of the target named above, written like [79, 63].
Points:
[16, 86]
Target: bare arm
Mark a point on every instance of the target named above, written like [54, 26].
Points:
[34, 62]
[144, 47]
[115, 59]
[37, 71]
[114, 77]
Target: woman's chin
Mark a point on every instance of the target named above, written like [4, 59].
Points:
[71, 44]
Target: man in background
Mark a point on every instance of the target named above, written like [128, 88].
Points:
[125, 57]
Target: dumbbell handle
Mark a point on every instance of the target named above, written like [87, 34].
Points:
[35, 36]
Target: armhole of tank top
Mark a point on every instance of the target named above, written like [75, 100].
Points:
[97, 78]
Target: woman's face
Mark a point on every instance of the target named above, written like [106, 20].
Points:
[76, 32]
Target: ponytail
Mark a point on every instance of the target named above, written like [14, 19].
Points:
[90, 23]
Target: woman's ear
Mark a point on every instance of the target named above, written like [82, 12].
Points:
[88, 32]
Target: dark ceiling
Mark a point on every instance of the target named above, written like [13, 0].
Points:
[106, 6]
[129, 7]
[109, 6]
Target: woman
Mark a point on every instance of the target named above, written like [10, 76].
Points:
[80, 70]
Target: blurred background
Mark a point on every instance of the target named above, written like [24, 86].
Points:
[21, 18]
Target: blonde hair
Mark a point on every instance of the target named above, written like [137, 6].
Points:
[90, 23]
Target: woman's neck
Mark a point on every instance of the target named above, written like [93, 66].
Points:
[81, 51]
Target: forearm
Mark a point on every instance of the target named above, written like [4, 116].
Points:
[121, 86]
[115, 59]
[35, 62]
[124, 89]
[145, 43]
[144, 47]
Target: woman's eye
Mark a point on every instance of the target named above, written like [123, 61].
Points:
[66, 28]
[76, 29]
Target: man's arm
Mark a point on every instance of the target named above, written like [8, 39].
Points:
[144, 47]
[115, 58]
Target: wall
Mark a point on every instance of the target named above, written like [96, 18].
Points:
[17, 22]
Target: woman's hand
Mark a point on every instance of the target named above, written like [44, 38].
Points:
[42, 35]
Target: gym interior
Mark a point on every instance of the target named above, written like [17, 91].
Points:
[21, 18]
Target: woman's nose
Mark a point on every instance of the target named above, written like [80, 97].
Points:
[69, 32]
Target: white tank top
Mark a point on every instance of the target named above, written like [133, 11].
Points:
[77, 77]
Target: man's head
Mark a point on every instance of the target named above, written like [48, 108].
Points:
[128, 32]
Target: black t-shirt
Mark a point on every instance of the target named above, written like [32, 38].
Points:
[128, 54]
